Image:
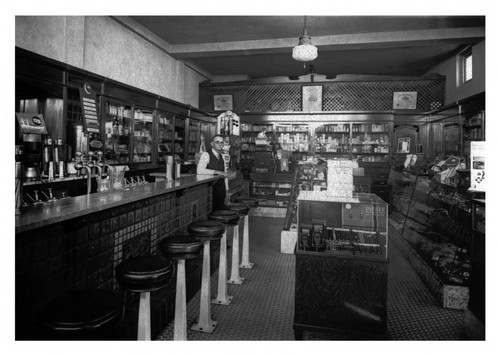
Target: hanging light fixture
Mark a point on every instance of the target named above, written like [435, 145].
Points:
[305, 51]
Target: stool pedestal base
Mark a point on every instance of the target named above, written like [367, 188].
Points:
[235, 271]
[144, 326]
[222, 297]
[245, 257]
[180, 321]
[205, 323]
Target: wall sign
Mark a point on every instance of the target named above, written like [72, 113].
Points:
[223, 102]
[89, 107]
[405, 100]
[312, 98]
[477, 164]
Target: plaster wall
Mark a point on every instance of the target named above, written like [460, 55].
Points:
[449, 67]
[102, 45]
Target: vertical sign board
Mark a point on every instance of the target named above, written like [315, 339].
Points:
[477, 165]
[89, 107]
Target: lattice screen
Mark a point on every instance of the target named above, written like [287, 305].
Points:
[337, 96]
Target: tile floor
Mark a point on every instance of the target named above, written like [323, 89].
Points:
[263, 305]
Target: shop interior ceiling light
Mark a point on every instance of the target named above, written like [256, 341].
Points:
[305, 51]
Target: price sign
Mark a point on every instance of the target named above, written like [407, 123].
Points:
[89, 107]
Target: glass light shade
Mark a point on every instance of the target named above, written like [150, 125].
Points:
[305, 52]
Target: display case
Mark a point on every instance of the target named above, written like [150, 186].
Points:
[341, 265]
[434, 221]
[273, 189]
[193, 139]
[249, 142]
[118, 117]
[477, 297]
[165, 135]
[180, 124]
[143, 135]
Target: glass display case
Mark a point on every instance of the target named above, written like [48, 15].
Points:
[143, 135]
[117, 127]
[341, 265]
[179, 136]
[165, 135]
[193, 139]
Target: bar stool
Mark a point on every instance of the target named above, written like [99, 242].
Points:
[245, 252]
[180, 248]
[144, 274]
[242, 210]
[229, 219]
[206, 231]
[82, 315]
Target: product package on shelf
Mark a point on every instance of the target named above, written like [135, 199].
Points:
[340, 181]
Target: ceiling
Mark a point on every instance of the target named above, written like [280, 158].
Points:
[261, 46]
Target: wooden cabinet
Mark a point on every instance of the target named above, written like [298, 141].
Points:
[341, 266]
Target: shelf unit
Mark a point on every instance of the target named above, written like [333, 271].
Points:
[118, 118]
[143, 135]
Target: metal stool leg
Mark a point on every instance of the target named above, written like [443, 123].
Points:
[180, 321]
[144, 322]
[235, 270]
[245, 253]
[222, 297]
[205, 322]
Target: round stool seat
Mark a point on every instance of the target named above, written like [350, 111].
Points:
[87, 314]
[144, 273]
[225, 216]
[249, 201]
[240, 208]
[181, 247]
[206, 229]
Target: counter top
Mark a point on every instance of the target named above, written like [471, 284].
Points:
[53, 212]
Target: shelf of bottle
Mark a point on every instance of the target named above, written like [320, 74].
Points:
[332, 132]
[372, 143]
[361, 153]
[467, 127]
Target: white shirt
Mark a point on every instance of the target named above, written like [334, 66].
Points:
[201, 168]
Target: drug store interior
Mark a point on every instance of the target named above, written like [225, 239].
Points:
[359, 146]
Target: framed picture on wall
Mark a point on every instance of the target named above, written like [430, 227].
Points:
[404, 145]
[405, 100]
[223, 102]
[312, 98]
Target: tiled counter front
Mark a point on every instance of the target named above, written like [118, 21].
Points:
[83, 252]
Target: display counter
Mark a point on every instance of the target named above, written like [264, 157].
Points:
[341, 265]
[77, 243]
[434, 220]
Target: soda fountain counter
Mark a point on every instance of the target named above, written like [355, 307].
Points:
[77, 242]
[341, 265]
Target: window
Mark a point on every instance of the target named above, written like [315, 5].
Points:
[466, 65]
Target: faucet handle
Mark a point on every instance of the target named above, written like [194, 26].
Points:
[78, 156]
[99, 155]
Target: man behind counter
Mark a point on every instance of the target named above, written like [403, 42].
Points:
[212, 163]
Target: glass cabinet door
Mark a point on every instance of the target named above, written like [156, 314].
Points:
[194, 138]
[370, 142]
[165, 135]
[117, 121]
[179, 136]
[143, 135]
